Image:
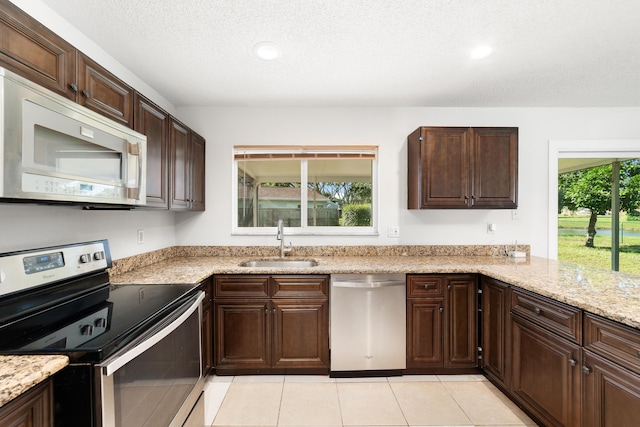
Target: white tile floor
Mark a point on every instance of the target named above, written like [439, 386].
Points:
[417, 400]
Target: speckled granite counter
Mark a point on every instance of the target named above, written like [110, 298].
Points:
[609, 294]
[19, 373]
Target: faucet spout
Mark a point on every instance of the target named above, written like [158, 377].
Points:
[280, 236]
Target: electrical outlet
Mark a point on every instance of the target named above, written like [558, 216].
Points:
[491, 227]
[140, 236]
[393, 231]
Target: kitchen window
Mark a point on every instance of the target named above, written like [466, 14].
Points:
[321, 190]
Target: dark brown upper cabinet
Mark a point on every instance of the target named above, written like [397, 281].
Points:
[463, 168]
[186, 168]
[100, 91]
[33, 51]
[153, 121]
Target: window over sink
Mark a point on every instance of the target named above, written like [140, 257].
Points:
[320, 190]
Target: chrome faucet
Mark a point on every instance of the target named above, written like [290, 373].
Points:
[280, 236]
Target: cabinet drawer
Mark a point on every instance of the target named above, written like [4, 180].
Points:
[425, 286]
[241, 287]
[300, 286]
[612, 341]
[554, 316]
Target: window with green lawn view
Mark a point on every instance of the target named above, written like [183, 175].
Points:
[315, 190]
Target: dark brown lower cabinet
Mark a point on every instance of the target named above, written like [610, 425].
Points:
[546, 374]
[299, 334]
[242, 334]
[496, 348]
[611, 393]
[441, 323]
[269, 334]
[31, 409]
[424, 333]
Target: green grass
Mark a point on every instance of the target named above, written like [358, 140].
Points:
[571, 248]
[603, 223]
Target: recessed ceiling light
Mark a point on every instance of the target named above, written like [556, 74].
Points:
[266, 51]
[481, 52]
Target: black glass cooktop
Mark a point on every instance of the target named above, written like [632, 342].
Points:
[124, 313]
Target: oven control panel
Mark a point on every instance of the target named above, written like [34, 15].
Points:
[23, 270]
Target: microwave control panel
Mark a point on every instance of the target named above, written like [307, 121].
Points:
[32, 183]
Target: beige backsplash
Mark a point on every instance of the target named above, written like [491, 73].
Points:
[125, 265]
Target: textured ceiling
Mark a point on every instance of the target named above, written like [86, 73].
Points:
[547, 53]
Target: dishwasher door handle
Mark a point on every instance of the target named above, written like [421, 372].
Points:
[367, 284]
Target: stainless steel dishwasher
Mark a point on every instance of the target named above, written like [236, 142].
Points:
[368, 324]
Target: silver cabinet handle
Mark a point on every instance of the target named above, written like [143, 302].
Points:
[586, 370]
[537, 310]
[572, 362]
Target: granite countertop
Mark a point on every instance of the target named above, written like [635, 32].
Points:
[19, 373]
[610, 294]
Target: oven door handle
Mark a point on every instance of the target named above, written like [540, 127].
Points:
[112, 365]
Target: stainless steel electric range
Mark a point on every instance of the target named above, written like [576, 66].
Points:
[134, 350]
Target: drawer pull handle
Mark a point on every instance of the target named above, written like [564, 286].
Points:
[427, 286]
[586, 370]
[572, 362]
[441, 309]
[537, 310]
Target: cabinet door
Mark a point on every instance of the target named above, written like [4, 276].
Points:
[178, 165]
[33, 51]
[495, 331]
[494, 154]
[242, 334]
[104, 93]
[197, 173]
[611, 394]
[300, 333]
[461, 336]
[545, 374]
[424, 333]
[32, 409]
[152, 121]
[444, 160]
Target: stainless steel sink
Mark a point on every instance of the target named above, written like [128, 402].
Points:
[276, 263]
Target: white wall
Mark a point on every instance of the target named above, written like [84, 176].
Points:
[388, 128]
[25, 226]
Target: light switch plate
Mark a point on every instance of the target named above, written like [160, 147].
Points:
[393, 231]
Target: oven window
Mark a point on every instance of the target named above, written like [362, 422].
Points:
[149, 390]
[58, 152]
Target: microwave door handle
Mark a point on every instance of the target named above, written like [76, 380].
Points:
[133, 150]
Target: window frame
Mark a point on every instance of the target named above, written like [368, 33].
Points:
[302, 151]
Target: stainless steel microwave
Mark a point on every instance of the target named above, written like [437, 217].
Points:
[54, 150]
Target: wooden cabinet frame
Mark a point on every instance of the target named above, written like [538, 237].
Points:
[442, 323]
[463, 168]
[271, 324]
